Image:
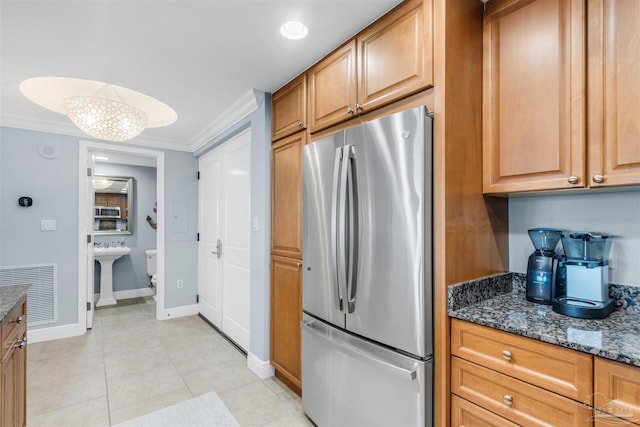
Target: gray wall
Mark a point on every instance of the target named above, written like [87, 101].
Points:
[260, 124]
[53, 184]
[613, 212]
[129, 272]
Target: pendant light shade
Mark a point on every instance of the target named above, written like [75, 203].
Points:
[104, 118]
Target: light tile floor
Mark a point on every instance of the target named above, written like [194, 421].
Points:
[130, 364]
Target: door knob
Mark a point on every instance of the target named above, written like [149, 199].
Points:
[218, 251]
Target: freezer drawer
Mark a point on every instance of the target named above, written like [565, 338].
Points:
[349, 382]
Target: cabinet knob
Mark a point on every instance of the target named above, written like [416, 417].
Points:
[598, 179]
[19, 319]
[358, 107]
[506, 354]
[573, 179]
[22, 343]
[349, 110]
[508, 400]
[299, 264]
[299, 123]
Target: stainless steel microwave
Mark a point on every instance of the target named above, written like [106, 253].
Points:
[107, 211]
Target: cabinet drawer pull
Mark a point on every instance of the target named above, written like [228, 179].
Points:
[506, 354]
[508, 400]
[573, 179]
[598, 179]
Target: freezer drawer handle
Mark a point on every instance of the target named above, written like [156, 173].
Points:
[393, 369]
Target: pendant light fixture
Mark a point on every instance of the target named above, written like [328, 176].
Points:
[101, 110]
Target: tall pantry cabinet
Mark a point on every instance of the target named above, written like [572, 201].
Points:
[289, 138]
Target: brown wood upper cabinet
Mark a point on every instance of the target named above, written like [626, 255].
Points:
[536, 132]
[289, 108]
[286, 194]
[614, 92]
[389, 60]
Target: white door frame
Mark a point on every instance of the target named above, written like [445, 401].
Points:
[83, 208]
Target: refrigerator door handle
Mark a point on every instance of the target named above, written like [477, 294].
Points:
[354, 229]
[343, 237]
[334, 226]
[320, 331]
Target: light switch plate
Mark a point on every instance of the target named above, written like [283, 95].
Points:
[48, 225]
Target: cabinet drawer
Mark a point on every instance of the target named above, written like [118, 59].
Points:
[617, 389]
[515, 400]
[561, 370]
[466, 414]
[14, 326]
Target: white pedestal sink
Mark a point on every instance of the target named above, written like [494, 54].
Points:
[106, 257]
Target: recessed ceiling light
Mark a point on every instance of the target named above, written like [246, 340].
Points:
[294, 30]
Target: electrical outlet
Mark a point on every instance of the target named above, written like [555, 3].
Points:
[180, 284]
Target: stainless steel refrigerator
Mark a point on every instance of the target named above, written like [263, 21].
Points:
[367, 335]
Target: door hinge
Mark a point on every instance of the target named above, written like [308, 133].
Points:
[89, 172]
[198, 174]
[197, 298]
[88, 238]
[88, 306]
[197, 237]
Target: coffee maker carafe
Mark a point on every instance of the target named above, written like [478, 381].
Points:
[543, 266]
[587, 276]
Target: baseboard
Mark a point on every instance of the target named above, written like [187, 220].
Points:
[259, 367]
[54, 333]
[185, 310]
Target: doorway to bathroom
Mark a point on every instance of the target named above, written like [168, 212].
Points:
[224, 193]
[97, 160]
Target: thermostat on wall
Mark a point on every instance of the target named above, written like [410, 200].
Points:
[25, 201]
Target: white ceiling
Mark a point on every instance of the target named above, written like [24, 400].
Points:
[206, 59]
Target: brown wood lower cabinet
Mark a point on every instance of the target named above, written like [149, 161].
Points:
[616, 392]
[503, 379]
[286, 314]
[13, 409]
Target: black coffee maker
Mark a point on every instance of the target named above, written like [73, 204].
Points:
[544, 270]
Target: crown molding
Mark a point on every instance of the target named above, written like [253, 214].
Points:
[69, 129]
[247, 104]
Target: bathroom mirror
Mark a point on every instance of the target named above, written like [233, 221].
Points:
[113, 205]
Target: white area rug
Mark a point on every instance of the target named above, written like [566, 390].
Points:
[203, 411]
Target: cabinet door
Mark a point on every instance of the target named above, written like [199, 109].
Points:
[286, 196]
[101, 199]
[395, 56]
[617, 389]
[286, 314]
[21, 385]
[533, 95]
[614, 92]
[289, 108]
[8, 388]
[333, 88]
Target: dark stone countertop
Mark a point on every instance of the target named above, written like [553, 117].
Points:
[499, 302]
[10, 296]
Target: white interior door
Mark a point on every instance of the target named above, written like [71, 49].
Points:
[90, 259]
[209, 271]
[224, 262]
[236, 229]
